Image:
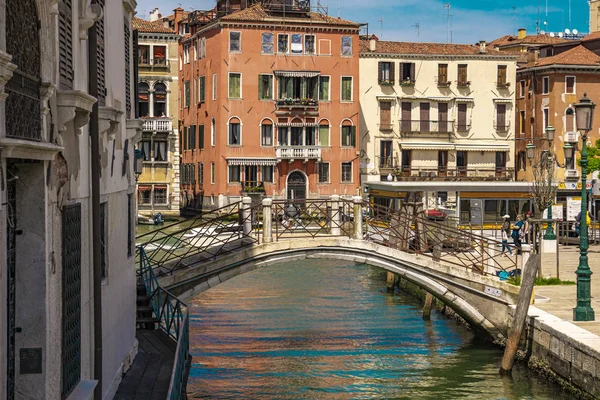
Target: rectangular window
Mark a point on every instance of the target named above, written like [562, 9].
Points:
[462, 117]
[325, 47]
[521, 161]
[442, 163]
[212, 173]
[234, 174]
[267, 43]
[192, 137]
[214, 88]
[546, 118]
[309, 44]
[545, 85]
[386, 73]
[443, 117]
[406, 122]
[500, 161]
[348, 136]
[265, 87]
[324, 88]
[200, 173]
[160, 150]
[201, 89]
[570, 84]
[266, 135]
[521, 88]
[501, 78]
[282, 43]
[324, 135]
[159, 54]
[386, 154]
[347, 45]
[522, 122]
[346, 172]
[406, 162]
[443, 75]
[282, 136]
[462, 78]
[235, 135]
[267, 173]
[130, 223]
[424, 123]
[501, 117]
[235, 41]
[385, 115]
[186, 86]
[235, 85]
[160, 195]
[103, 240]
[461, 163]
[201, 137]
[144, 146]
[323, 172]
[296, 43]
[407, 73]
[346, 88]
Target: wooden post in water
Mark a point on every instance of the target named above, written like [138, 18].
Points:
[391, 280]
[514, 334]
[427, 306]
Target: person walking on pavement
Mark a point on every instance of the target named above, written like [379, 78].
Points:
[528, 228]
[517, 232]
[505, 228]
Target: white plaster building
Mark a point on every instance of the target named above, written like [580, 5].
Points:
[50, 206]
[434, 111]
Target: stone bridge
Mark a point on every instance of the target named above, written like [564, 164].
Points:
[456, 267]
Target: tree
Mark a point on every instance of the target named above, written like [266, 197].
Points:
[543, 187]
[593, 157]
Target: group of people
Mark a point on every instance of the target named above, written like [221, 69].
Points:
[521, 230]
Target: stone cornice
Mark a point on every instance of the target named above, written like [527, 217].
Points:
[6, 67]
[561, 68]
[486, 56]
[153, 36]
[278, 25]
[27, 149]
[109, 120]
[129, 5]
[73, 105]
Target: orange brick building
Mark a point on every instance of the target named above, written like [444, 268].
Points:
[268, 101]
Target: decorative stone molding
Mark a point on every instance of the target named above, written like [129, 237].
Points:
[89, 14]
[76, 106]
[53, 7]
[129, 5]
[27, 149]
[134, 130]
[108, 120]
[6, 68]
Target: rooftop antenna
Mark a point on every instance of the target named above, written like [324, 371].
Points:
[339, 8]
[546, 20]
[418, 28]
[537, 23]
[514, 20]
[448, 21]
[381, 22]
[569, 13]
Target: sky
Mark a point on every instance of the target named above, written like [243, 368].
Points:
[470, 20]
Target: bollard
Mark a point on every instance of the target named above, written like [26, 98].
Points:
[336, 217]
[525, 254]
[391, 280]
[246, 217]
[358, 222]
[267, 220]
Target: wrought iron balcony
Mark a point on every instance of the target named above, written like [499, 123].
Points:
[158, 124]
[424, 126]
[407, 173]
[153, 63]
[288, 6]
[303, 104]
[298, 153]
[388, 162]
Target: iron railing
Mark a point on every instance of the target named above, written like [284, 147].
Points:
[426, 126]
[173, 319]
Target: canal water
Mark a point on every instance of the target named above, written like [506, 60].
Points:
[328, 330]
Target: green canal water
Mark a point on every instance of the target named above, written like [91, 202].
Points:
[327, 330]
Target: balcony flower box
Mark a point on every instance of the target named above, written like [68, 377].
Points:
[386, 82]
[504, 85]
[444, 84]
[463, 84]
[407, 82]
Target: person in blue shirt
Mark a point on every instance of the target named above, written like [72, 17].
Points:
[517, 233]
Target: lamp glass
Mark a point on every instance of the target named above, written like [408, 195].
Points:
[138, 165]
[530, 150]
[550, 133]
[584, 114]
[569, 150]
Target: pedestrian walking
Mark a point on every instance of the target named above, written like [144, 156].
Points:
[528, 227]
[505, 228]
[517, 233]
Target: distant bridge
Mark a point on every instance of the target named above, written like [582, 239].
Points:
[457, 267]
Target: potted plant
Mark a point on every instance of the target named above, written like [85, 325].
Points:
[407, 82]
[464, 83]
[386, 82]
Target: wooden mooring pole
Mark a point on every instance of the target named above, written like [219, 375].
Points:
[427, 306]
[514, 334]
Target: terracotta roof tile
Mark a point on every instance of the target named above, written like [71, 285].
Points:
[591, 36]
[421, 48]
[157, 26]
[576, 56]
[510, 40]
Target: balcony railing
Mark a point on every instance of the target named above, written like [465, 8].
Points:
[253, 186]
[423, 126]
[158, 124]
[504, 127]
[388, 162]
[442, 172]
[306, 104]
[298, 153]
[386, 127]
[153, 63]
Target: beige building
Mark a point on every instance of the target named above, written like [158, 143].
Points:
[158, 185]
[434, 111]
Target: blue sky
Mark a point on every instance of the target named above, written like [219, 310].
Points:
[471, 20]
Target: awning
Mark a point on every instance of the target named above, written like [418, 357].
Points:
[502, 100]
[386, 98]
[426, 146]
[297, 124]
[440, 99]
[464, 99]
[251, 161]
[144, 188]
[297, 74]
[483, 147]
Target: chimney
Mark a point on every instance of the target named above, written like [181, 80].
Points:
[482, 44]
[373, 43]
[522, 33]
[154, 15]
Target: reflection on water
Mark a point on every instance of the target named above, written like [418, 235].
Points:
[321, 329]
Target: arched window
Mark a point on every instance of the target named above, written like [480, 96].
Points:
[324, 133]
[266, 132]
[143, 99]
[160, 100]
[348, 134]
[235, 132]
[569, 120]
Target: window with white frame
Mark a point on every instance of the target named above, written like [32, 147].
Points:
[545, 85]
[324, 83]
[309, 44]
[323, 172]
[235, 132]
[267, 43]
[348, 135]
[346, 45]
[282, 43]
[324, 134]
[159, 99]
[212, 173]
[160, 194]
[346, 172]
[296, 46]
[266, 133]
[234, 174]
[265, 87]
[235, 85]
[546, 118]
[186, 53]
[201, 89]
[213, 132]
[214, 87]
[346, 88]
[267, 173]
[235, 41]
[570, 84]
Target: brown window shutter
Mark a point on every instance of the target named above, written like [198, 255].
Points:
[412, 71]
[462, 116]
[385, 115]
[424, 111]
[100, 56]
[393, 72]
[501, 116]
[380, 71]
[65, 44]
[127, 45]
[406, 116]
[442, 117]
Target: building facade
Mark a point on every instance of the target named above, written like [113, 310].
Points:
[158, 88]
[435, 112]
[60, 304]
[269, 103]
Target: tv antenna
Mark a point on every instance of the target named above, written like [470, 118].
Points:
[514, 20]
[569, 13]
[418, 28]
[449, 22]
[381, 22]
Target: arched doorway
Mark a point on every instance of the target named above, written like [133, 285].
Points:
[296, 186]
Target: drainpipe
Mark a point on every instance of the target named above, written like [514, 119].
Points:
[95, 186]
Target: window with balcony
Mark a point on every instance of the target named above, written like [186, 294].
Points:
[386, 154]
[346, 172]
[282, 43]
[159, 56]
[265, 87]
[201, 89]
[443, 75]
[501, 125]
[235, 132]
[323, 172]
[297, 89]
[348, 135]
[296, 136]
[160, 150]
[463, 78]
[501, 79]
[234, 174]
[385, 115]
[282, 136]
[405, 122]
[324, 88]
[267, 43]
[386, 73]
[545, 85]
[309, 44]
[266, 133]
[462, 123]
[235, 41]
[425, 121]
[143, 54]
[235, 85]
[461, 163]
[442, 163]
[160, 99]
[267, 173]
[443, 123]
[500, 163]
[346, 94]
[570, 84]
[250, 176]
[143, 99]
[346, 46]
[407, 74]
[324, 135]
[406, 162]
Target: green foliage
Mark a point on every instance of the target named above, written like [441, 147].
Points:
[594, 157]
[551, 281]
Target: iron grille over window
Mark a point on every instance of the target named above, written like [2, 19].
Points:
[129, 225]
[11, 251]
[127, 31]
[65, 43]
[103, 240]
[71, 298]
[100, 56]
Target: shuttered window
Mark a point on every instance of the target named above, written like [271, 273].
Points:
[570, 84]
[192, 137]
[201, 89]
[127, 36]
[65, 44]
[442, 74]
[201, 137]
[386, 73]
[406, 116]
[462, 117]
[442, 117]
[100, 55]
[462, 74]
[501, 117]
[424, 116]
[407, 72]
[385, 115]
[501, 79]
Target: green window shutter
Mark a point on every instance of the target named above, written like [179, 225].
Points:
[270, 90]
[324, 136]
[260, 86]
[201, 137]
[353, 136]
[202, 88]
[187, 93]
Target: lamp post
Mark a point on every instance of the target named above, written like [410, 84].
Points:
[584, 113]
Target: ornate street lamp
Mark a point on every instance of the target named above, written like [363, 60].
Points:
[584, 114]
[138, 164]
[530, 150]
[549, 164]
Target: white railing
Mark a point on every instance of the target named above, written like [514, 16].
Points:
[298, 152]
[158, 124]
